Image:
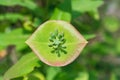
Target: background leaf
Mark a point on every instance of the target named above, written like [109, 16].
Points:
[111, 23]
[24, 66]
[12, 17]
[86, 5]
[83, 76]
[11, 39]
[90, 36]
[61, 15]
[25, 3]
[54, 71]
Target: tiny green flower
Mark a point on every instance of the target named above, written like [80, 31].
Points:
[57, 43]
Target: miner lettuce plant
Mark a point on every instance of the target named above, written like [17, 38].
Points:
[61, 14]
[65, 39]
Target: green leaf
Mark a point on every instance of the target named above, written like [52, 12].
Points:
[111, 23]
[53, 50]
[61, 15]
[86, 5]
[1, 78]
[113, 76]
[28, 4]
[54, 71]
[83, 76]
[35, 75]
[24, 66]
[25, 3]
[65, 6]
[15, 37]
[118, 45]
[89, 36]
[12, 17]
[9, 2]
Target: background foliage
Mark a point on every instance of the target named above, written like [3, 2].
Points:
[97, 20]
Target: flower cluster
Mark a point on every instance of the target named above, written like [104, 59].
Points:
[57, 43]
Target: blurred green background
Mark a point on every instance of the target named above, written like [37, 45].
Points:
[97, 20]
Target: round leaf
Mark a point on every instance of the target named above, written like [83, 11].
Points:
[57, 43]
